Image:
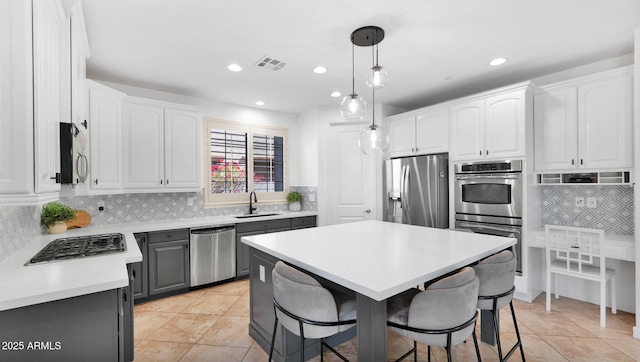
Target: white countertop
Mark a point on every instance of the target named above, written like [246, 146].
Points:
[617, 246]
[22, 285]
[378, 259]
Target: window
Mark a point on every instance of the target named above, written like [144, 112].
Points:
[244, 158]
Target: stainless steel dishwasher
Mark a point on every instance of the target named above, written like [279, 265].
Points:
[212, 254]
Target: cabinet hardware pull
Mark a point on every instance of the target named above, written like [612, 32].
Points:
[167, 181]
[96, 181]
[368, 211]
[160, 181]
[572, 163]
[480, 152]
[133, 272]
[487, 153]
[581, 161]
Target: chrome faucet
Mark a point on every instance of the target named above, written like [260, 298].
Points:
[251, 201]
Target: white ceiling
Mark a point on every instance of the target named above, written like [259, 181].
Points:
[433, 49]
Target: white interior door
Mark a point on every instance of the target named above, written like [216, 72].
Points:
[351, 176]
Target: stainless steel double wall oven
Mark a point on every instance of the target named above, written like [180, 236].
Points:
[488, 199]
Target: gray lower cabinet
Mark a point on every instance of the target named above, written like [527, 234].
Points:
[168, 253]
[287, 344]
[263, 227]
[84, 328]
[127, 316]
[140, 270]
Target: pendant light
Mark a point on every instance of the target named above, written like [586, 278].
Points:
[353, 106]
[378, 77]
[373, 139]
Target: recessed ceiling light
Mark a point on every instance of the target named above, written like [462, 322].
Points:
[498, 61]
[234, 67]
[336, 94]
[260, 103]
[320, 69]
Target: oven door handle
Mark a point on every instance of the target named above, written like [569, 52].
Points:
[478, 177]
[505, 229]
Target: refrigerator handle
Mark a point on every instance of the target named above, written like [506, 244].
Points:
[404, 194]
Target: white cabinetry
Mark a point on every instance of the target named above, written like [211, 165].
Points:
[161, 146]
[16, 102]
[51, 89]
[419, 132]
[490, 126]
[585, 123]
[105, 125]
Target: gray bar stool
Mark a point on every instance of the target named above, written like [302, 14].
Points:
[443, 315]
[497, 275]
[307, 309]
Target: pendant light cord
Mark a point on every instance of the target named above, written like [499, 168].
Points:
[373, 91]
[353, 69]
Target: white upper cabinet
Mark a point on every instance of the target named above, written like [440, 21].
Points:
[419, 132]
[585, 123]
[105, 125]
[51, 89]
[161, 147]
[490, 126]
[182, 151]
[16, 102]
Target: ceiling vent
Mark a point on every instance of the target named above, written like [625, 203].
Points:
[270, 63]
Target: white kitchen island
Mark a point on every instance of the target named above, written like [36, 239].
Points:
[376, 260]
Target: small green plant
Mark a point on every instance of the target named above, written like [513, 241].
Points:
[56, 211]
[294, 196]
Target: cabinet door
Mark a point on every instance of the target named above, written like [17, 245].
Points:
[168, 266]
[51, 89]
[504, 127]
[605, 123]
[467, 142]
[16, 108]
[105, 111]
[402, 136]
[555, 130]
[140, 270]
[182, 149]
[432, 134]
[243, 261]
[143, 155]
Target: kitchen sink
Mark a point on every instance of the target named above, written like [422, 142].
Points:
[246, 216]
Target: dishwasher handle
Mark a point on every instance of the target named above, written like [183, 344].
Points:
[214, 230]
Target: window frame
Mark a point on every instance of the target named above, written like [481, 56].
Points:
[234, 199]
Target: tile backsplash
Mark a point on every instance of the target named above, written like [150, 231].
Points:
[128, 208]
[19, 225]
[613, 212]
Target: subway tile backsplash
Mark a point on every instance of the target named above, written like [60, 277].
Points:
[613, 212]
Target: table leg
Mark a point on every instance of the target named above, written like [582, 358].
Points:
[372, 329]
[487, 332]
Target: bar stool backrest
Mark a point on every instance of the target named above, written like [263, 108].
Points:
[497, 275]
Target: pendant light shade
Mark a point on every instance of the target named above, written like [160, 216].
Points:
[353, 107]
[378, 77]
[374, 140]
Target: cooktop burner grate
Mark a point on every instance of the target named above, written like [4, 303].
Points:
[80, 246]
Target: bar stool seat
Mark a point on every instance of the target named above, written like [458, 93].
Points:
[307, 309]
[443, 315]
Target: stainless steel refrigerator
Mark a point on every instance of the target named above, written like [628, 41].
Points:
[417, 190]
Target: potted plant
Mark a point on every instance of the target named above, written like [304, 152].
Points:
[294, 198]
[54, 215]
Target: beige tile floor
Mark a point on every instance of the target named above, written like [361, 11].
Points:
[212, 325]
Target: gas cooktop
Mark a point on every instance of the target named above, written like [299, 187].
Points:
[80, 246]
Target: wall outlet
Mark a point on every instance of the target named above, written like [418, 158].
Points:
[100, 205]
[262, 278]
[592, 202]
[190, 201]
[579, 201]
[312, 197]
